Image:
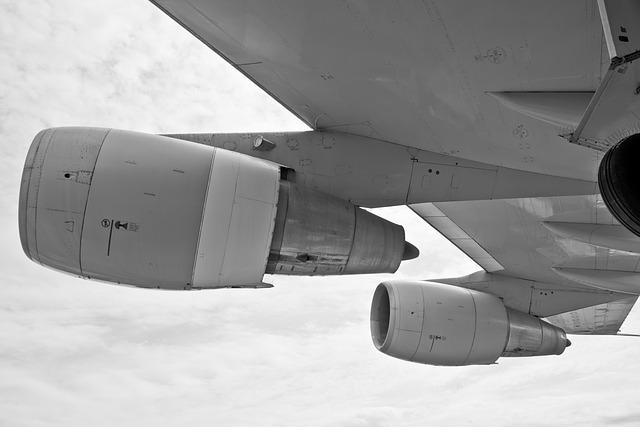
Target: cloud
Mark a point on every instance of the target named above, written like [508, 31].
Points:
[633, 419]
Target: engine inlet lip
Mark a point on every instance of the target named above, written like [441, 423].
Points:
[29, 185]
[382, 318]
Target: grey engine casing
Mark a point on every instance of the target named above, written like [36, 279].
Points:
[153, 211]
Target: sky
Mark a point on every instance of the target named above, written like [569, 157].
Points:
[75, 352]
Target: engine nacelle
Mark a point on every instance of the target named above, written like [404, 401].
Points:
[440, 324]
[619, 182]
[153, 211]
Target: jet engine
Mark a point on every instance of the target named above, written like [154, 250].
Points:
[440, 324]
[619, 182]
[153, 211]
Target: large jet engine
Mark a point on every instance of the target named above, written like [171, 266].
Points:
[619, 182]
[153, 211]
[440, 324]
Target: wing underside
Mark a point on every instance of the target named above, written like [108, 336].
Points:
[474, 80]
[415, 73]
[513, 238]
[601, 319]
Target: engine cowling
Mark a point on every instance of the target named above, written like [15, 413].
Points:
[619, 182]
[440, 324]
[153, 211]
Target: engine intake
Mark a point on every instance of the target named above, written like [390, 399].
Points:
[619, 182]
[440, 324]
[153, 211]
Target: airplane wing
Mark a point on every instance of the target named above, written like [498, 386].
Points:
[601, 319]
[560, 242]
[512, 83]
[612, 113]
[418, 73]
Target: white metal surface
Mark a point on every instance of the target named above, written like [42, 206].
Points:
[440, 324]
[53, 194]
[514, 233]
[615, 280]
[416, 73]
[434, 216]
[601, 319]
[620, 26]
[237, 221]
[603, 235]
[373, 173]
[561, 109]
[144, 210]
[613, 111]
[147, 210]
[533, 297]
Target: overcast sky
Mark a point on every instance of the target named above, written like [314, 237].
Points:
[78, 353]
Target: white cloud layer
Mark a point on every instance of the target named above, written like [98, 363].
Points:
[77, 353]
